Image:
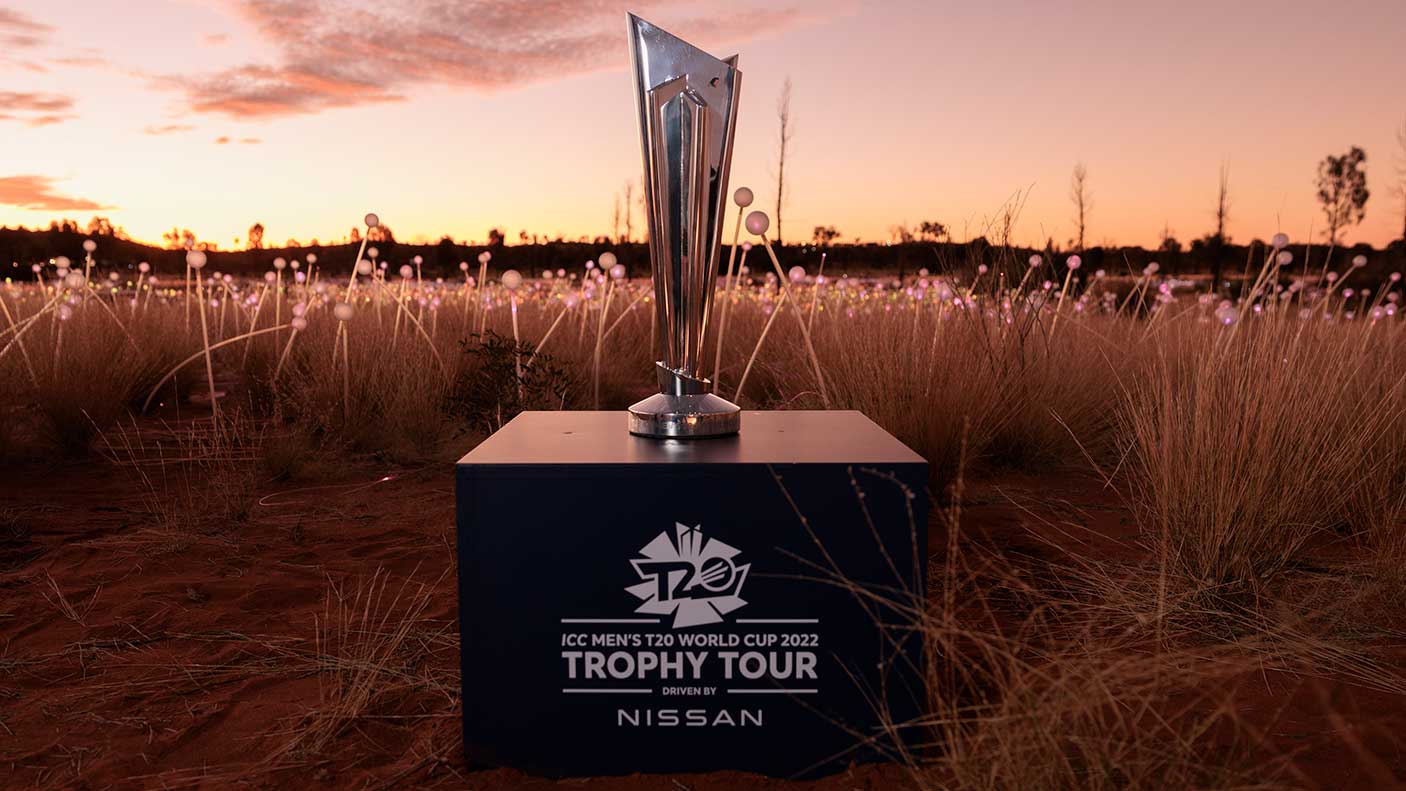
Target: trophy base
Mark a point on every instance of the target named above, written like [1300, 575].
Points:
[685, 416]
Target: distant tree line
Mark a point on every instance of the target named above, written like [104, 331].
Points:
[936, 254]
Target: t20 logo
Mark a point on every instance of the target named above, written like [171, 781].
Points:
[688, 575]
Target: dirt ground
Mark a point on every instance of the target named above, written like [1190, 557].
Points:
[140, 651]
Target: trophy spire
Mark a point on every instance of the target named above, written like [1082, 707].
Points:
[687, 102]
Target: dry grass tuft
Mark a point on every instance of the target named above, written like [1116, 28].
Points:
[1242, 448]
[366, 653]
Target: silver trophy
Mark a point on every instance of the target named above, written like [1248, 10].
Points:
[687, 113]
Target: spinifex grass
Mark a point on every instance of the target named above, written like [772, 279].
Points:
[1242, 448]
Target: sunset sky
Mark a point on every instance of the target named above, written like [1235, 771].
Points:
[454, 117]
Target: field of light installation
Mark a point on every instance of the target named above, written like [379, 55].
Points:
[1167, 543]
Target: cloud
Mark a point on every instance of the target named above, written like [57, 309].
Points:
[20, 31]
[47, 120]
[95, 61]
[345, 53]
[166, 129]
[35, 109]
[215, 39]
[36, 193]
[224, 140]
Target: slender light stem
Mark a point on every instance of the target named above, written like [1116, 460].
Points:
[187, 295]
[766, 328]
[517, 349]
[600, 338]
[727, 286]
[1064, 289]
[209, 362]
[815, 292]
[478, 297]
[624, 313]
[800, 321]
[284, 356]
[203, 352]
[548, 335]
[253, 323]
[734, 284]
[10, 319]
[346, 380]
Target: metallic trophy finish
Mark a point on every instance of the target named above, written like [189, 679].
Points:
[687, 114]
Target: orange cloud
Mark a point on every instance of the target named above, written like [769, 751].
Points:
[34, 102]
[340, 53]
[18, 30]
[35, 109]
[37, 194]
[47, 120]
[264, 91]
[166, 129]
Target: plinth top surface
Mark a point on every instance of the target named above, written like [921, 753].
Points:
[783, 437]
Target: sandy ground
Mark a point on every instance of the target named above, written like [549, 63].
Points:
[138, 654]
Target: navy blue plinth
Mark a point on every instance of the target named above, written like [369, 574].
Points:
[638, 605]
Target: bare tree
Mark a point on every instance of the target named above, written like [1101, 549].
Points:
[783, 140]
[629, 210]
[1223, 203]
[1400, 189]
[616, 234]
[1342, 189]
[1083, 201]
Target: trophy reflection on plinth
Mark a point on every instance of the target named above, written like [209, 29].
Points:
[687, 114]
